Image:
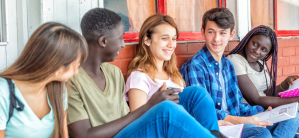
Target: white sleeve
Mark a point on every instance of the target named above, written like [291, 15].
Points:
[239, 65]
[139, 81]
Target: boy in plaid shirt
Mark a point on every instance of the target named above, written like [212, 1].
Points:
[210, 69]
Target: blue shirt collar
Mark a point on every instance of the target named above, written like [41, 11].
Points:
[208, 58]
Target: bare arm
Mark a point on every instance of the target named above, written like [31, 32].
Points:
[224, 123]
[251, 95]
[66, 134]
[83, 129]
[2, 133]
[137, 98]
[285, 84]
[252, 119]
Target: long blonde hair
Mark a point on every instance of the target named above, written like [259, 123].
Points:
[144, 58]
[50, 47]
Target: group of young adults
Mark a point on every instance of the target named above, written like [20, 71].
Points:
[61, 85]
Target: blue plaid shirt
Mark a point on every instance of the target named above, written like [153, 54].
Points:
[203, 70]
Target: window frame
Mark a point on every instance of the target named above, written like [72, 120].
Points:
[4, 24]
[282, 33]
[161, 7]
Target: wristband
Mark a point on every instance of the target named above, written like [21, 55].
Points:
[281, 87]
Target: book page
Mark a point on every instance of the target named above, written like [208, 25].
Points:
[233, 131]
[289, 109]
[295, 85]
[282, 112]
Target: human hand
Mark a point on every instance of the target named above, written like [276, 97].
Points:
[290, 79]
[257, 122]
[162, 95]
[224, 123]
[269, 108]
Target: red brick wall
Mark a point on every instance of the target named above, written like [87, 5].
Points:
[288, 56]
[124, 58]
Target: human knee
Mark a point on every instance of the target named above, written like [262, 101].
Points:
[167, 106]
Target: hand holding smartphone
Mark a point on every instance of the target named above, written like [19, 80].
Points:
[167, 88]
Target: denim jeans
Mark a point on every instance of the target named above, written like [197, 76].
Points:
[285, 129]
[199, 104]
[189, 99]
[193, 117]
[168, 119]
[252, 131]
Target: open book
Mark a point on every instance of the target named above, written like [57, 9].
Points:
[233, 131]
[280, 113]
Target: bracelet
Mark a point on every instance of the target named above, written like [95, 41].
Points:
[281, 87]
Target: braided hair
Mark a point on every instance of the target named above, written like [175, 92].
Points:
[268, 32]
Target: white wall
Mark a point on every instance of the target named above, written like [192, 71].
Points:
[9, 52]
[25, 16]
[68, 12]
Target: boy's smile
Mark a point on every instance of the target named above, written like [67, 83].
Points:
[216, 38]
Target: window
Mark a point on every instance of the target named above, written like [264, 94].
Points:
[132, 12]
[187, 14]
[3, 23]
[280, 15]
[232, 6]
[287, 13]
[261, 13]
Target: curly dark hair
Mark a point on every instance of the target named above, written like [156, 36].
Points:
[97, 22]
[221, 16]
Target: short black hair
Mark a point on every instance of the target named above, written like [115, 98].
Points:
[97, 22]
[221, 16]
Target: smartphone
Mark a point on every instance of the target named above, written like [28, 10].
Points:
[171, 88]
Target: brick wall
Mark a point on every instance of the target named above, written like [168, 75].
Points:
[288, 56]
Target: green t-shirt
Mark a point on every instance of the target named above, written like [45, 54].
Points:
[87, 101]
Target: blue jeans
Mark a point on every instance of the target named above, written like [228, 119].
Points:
[190, 101]
[252, 131]
[285, 129]
[168, 119]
